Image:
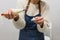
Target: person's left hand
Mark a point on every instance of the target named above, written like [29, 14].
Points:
[39, 20]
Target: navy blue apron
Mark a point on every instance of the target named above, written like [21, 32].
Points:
[30, 31]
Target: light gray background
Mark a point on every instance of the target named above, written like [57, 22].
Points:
[9, 32]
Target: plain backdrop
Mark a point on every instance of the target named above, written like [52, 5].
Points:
[9, 32]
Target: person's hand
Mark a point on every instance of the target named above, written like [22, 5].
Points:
[9, 14]
[39, 20]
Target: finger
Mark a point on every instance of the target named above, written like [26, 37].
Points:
[12, 14]
[38, 18]
[5, 15]
[8, 16]
[38, 22]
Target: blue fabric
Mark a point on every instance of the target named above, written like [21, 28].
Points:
[30, 31]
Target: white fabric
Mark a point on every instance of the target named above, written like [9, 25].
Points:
[32, 11]
[47, 38]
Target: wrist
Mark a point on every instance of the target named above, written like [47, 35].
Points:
[16, 18]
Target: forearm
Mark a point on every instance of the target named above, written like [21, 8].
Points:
[19, 21]
[46, 28]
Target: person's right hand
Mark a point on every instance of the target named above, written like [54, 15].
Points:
[9, 14]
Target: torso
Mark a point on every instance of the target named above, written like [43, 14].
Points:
[30, 31]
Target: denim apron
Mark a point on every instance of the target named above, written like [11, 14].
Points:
[30, 31]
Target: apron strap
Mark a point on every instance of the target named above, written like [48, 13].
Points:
[27, 6]
[39, 7]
